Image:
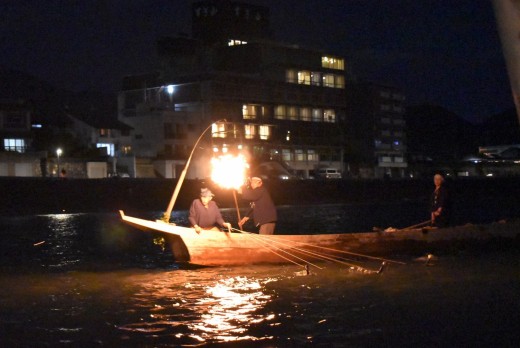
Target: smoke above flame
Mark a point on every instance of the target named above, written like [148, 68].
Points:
[229, 171]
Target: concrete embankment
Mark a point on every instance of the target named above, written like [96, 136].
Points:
[21, 196]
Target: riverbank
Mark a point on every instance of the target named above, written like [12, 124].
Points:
[27, 196]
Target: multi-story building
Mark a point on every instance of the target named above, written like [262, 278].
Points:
[376, 130]
[278, 102]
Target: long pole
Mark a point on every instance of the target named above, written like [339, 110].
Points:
[168, 212]
[236, 205]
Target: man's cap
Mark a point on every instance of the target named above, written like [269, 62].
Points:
[204, 192]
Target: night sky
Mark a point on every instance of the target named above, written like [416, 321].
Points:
[444, 52]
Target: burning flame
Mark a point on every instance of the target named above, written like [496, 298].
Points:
[229, 171]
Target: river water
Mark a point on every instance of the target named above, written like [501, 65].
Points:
[86, 280]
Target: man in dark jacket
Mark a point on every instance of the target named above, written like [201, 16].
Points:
[204, 213]
[262, 209]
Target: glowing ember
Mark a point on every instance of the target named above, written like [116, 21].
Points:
[229, 171]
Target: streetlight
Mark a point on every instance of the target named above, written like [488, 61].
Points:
[58, 153]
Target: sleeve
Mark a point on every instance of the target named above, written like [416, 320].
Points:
[218, 216]
[251, 195]
[193, 213]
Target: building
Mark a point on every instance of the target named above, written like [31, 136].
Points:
[376, 131]
[276, 102]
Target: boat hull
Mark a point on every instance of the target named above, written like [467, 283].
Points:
[214, 248]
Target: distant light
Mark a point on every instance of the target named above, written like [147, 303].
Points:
[215, 149]
[59, 152]
[489, 174]
[36, 125]
[240, 146]
[224, 149]
[170, 89]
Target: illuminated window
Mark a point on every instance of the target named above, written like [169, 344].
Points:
[249, 111]
[298, 155]
[316, 78]
[126, 150]
[328, 80]
[218, 130]
[339, 81]
[109, 148]
[279, 112]
[264, 132]
[312, 155]
[250, 131]
[304, 77]
[291, 76]
[236, 42]
[333, 63]
[292, 113]
[305, 114]
[17, 145]
[104, 132]
[329, 115]
[317, 115]
[286, 155]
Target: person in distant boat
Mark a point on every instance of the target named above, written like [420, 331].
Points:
[262, 209]
[205, 214]
[439, 203]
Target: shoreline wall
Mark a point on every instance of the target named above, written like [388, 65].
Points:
[29, 196]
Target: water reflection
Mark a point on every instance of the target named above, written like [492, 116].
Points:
[231, 305]
[197, 308]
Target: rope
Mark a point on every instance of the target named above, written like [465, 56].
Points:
[257, 238]
[326, 248]
[321, 256]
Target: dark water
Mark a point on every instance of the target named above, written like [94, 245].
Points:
[86, 280]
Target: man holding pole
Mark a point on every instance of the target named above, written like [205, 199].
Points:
[262, 209]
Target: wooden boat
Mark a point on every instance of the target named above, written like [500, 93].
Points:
[214, 248]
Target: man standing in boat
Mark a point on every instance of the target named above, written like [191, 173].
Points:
[262, 206]
[440, 203]
[205, 214]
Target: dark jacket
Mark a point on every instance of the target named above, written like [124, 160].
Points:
[262, 206]
[440, 199]
[205, 217]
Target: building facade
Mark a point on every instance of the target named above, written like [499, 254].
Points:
[377, 131]
[276, 102]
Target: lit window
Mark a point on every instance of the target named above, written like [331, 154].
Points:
[108, 147]
[292, 112]
[250, 131]
[17, 145]
[290, 76]
[312, 155]
[329, 116]
[298, 155]
[286, 155]
[104, 132]
[126, 150]
[304, 77]
[264, 132]
[236, 42]
[317, 115]
[249, 111]
[218, 130]
[279, 112]
[305, 114]
[316, 78]
[333, 63]
[328, 80]
[339, 81]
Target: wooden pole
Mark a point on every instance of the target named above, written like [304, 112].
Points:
[168, 212]
[236, 205]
